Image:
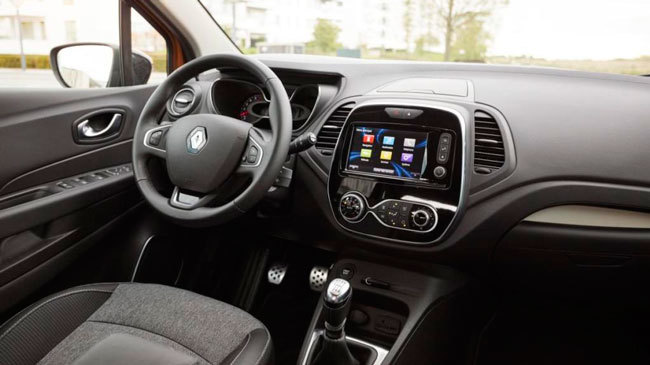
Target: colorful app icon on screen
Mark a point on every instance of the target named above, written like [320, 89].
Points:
[409, 142]
[407, 157]
[366, 153]
[369, 138]
[386, 155]
[389, 141]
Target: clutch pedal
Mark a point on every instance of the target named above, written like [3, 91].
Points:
[276, 273]
[318, 278]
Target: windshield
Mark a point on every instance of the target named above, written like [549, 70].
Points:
[592, 35]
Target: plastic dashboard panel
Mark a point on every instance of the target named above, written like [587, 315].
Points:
[570, 137]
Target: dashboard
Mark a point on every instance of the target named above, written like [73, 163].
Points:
[528, 155]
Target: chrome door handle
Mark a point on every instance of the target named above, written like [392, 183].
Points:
[86, 131]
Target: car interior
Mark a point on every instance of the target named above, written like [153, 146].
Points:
[294, 209]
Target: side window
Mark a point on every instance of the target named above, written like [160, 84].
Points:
[146, 39]
[31, 29]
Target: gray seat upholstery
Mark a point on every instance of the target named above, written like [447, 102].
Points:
[84, 323]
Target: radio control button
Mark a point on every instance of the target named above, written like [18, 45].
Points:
[444, 148]
[352, 207]
[439, 172]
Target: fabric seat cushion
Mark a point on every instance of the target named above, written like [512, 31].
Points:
[62, 328]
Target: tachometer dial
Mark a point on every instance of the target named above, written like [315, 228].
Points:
[254, 108]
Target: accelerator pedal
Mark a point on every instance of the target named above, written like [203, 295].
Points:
[276, 273]
[318, 278]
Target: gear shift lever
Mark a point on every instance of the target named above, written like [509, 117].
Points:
[336, 305]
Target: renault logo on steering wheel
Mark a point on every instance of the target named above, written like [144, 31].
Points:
[197, 138]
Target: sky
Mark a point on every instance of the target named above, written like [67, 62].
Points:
[572, 29]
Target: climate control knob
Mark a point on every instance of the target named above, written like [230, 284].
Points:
[421, 218]
[352, 207]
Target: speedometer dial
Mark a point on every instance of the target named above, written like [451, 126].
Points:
[254, 108]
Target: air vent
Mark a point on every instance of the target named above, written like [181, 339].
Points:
[330, 131]
[489, 153]
[182, 102]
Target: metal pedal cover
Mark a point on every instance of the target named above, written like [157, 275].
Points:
[318, 278]
[276, 273]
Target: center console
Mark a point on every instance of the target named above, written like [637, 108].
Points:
[372, 314]
[398, 170]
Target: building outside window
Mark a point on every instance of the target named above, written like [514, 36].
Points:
[70, 30]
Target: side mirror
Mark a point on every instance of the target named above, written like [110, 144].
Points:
[95, 65]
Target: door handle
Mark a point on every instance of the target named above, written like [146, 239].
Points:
[86, 130]
[99, 126]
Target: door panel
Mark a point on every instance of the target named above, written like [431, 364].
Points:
[59, 193]
[36, 125]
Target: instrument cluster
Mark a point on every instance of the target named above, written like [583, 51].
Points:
[249, 102]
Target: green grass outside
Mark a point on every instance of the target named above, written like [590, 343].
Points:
[31, 61]
[159, 60]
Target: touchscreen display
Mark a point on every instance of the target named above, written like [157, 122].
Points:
[388, 152]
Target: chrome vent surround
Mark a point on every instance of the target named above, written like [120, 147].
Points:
[182, 102]
[331, 130]
[489, 152]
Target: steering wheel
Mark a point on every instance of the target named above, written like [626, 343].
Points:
[206, 154]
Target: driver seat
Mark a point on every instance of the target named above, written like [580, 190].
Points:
[131, 323]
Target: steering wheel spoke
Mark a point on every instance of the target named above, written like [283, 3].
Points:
[155, 141]
[188, 201]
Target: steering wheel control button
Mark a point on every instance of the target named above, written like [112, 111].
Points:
[352, 207]
[253, 152]
[154, 138]
[439, 172]
[444, 148]
[252, 155]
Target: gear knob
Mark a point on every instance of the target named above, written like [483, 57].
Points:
[336, 306]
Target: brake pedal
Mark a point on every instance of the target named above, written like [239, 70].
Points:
[318, 278]
[276, 273]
